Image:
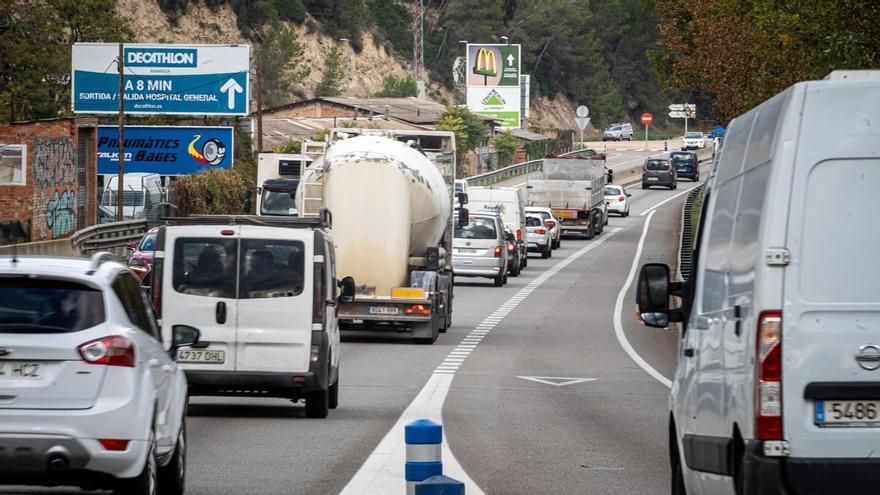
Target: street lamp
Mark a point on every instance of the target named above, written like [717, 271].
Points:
[506, 40]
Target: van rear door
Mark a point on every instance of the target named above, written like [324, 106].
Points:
[275, 299]
[198, 289]
[831, 314]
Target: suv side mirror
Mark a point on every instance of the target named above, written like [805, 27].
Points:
[463, 214]
[348, 287]
[652, 296]
[183, 336]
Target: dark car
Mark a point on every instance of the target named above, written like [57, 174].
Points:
[659, 172]
[686, 164]
[141, 259]
[514, 255]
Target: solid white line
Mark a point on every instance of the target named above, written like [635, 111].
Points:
[618, 312]
[649, 210]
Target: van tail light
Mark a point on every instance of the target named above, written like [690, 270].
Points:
[498, 251]
[671, 172]
[156, 287]
[318, 294]
[114, 444]
[540, 231]
[550, 224]
[621, 198]
[510, 247]
[768, 400]
[518, 234]
[114, 350]
[418, 309]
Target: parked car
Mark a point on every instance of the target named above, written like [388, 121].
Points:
[478, 248]
[263, 292]
[686, 164]
[776, 386]
[540, 240]
[693, 141]
[506, 202]
[550, 221]
[659, 172]
[618, 132]
[617, 200]
[90, 395]
[141, 259]
[514, 263]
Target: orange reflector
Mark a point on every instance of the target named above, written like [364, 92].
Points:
[115, 445]
[408, 292]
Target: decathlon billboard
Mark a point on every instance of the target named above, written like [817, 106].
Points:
[165, 150]
[162, 79]
[493, 82]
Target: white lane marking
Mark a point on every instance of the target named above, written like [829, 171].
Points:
[557, 381]
[618, 312]
[382, 473]
[651, 209]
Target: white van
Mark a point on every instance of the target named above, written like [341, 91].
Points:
[777, 387]
[506, 202]
[142, 194]
[262, 292]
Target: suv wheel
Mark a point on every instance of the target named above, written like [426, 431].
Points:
[145, 483]
[172, 478]
[317, 404]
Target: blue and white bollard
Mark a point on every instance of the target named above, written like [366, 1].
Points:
[423, 438]
[665, 145]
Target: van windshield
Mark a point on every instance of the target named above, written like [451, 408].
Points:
[43, 306]
[657, 165]
[277, 203]
[694, 135]
[477, 228]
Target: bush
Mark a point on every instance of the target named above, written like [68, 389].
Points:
[291, 10]
[506, 146]
[218, 191]
[398, 88]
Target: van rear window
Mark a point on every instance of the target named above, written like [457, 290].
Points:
[270, 268]
[657, 165]
[205, 267]
[48, 306]
[477, 228]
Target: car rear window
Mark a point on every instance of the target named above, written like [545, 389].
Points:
[533, 222]
[271, 268]
[477, 228]
[48, 306]
[612, 191]
[657, 165]
[681, 157]
[205, 267]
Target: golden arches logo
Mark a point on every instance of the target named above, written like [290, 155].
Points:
[485, 64]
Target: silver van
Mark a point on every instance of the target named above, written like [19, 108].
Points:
[777, 386]
[479, 249]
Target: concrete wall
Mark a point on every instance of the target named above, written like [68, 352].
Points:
[58, 196]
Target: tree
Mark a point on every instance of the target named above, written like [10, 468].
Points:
[331, 80]
[506, 146]
[280, 61]
[468, 128]
[291, 146]
[398, 88]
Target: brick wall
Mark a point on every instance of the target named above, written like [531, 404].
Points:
[45, 207]
[314, 109]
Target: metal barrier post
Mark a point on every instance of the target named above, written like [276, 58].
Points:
[423, 438]
[665, 145]
[440, 485]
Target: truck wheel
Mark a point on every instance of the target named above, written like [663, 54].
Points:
[333, 399]
[591, 229]
[525, 261]
[317, 404]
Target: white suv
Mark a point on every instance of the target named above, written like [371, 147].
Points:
[693, 141]
[550, 221]
[88, 395]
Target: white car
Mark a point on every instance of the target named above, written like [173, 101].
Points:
[617, 200]
[693, 141]
[539, 238]
[89, 396]
[550, 221]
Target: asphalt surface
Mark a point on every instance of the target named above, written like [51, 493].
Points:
[511, 435]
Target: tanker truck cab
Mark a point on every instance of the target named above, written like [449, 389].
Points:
[263, 293]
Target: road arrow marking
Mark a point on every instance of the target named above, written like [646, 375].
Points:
[510, 60]
[231, 87]
[557, 381]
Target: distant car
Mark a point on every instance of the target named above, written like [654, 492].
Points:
[514, 263]
[539, 237]
[550, 221]
[141, 259]
[461, 186]
[693, 141]
[658, 172]
[617, 200]
[478, 248]
[91, 396]
[618, 132]
[686, 164]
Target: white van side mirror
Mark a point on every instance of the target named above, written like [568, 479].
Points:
[652, 296]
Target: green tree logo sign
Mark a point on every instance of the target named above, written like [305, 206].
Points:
[493, 99]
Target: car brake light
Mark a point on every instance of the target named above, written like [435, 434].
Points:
[541, 231]
[417, 309]
[768, 407]
[671, 172]
[114, 350]
[621, 198]
[518, 234]
[510, 247]
[550, 223]
[497, 251]
[114, 444]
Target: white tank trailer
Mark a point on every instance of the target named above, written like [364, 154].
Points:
[391, 200]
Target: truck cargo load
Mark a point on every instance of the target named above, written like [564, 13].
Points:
[574, 189]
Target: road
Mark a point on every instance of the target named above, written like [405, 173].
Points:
[510, 434]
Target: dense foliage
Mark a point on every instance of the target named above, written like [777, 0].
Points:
[506, 146]
[280, 60]
[398, 88]
[332, 78]
[468, 128]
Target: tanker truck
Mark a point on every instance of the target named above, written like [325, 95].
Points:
[391, 197]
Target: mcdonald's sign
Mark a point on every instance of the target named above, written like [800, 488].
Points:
[484, 63]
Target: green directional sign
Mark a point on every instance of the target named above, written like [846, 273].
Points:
[510, 65]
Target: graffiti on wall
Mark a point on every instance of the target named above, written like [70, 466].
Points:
[54, 170]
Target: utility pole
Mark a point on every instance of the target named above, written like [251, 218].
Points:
[419, 46]
[120, 190]
[259, 89]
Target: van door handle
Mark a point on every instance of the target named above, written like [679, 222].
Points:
[220, 312]
[689, 352]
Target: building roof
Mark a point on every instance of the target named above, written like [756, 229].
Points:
[527, 135]
[279, 130]
[409, 109]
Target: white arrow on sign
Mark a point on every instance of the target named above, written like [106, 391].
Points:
[557, 381]
[510, 60]
[677, 115]
[231, 87]
[676, 107]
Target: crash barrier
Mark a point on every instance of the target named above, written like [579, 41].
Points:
[423, 438]
[440, 485]
[112, 237]
[58, 247]
[502, 174]
[686, 251]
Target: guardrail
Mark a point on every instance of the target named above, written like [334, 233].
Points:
[113, 237]
[511, 171]
[686, 246]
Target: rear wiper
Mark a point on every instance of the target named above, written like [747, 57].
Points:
[17, 327]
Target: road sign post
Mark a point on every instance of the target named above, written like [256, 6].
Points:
[647, 118]
[582, 120]
[683, 111]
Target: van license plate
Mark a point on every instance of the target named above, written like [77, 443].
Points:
[466, 251]
[848, 412]
[201, 357]
[19, 370]
[383, 310]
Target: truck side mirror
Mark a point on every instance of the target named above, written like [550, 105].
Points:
[462, 198]
[652, 296]
[463, 215]
[348, 287]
